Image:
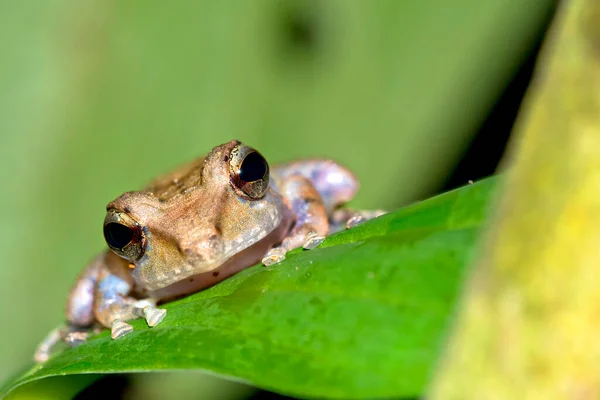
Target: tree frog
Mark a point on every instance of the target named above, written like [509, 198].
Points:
[189, 229]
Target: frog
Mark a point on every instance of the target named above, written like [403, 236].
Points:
[198, 225]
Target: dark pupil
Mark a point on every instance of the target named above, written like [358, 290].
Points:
[117, 235]
[253, 168]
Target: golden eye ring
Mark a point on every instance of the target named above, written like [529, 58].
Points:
[248, 172]
[124, 235]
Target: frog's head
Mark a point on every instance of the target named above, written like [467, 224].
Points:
[195, 219]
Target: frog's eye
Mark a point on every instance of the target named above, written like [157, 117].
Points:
[118, 235]
[123, 235]
[249, 171]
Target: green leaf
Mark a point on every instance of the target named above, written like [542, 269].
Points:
[361, 316]
[98, 97]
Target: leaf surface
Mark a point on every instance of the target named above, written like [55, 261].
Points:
[361, 316]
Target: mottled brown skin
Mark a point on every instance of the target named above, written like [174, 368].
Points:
[190, 228]
[198, 225]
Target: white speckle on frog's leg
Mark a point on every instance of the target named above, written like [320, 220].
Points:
[313, 240]
[154, 315]
[274, 256]
[119, 329]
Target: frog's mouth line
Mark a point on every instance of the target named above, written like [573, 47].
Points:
[194, 281]
[187, 271]
[145, 272]
[198, 280]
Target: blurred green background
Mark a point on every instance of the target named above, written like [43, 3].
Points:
[97, 97]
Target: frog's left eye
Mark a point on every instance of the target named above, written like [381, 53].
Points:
[249, 171]
[123, 235]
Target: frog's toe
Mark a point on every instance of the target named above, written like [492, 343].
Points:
[274, 256]
[76, 338]
[154, 315]
[313, 240]
[356, 220]
[119, 329]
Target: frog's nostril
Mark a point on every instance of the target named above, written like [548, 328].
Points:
[118, 235]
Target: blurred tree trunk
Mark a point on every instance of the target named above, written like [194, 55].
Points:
[530, 317]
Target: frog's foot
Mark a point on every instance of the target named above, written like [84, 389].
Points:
[345, 218]
[118, 329]
[312, 240]
[274, 256]
[308, 241]
[147, 309]
[64, 333]
[76, 338]
[354, 221]
[154, 315]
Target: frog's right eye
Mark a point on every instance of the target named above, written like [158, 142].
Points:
[118, 235]
[124, 236]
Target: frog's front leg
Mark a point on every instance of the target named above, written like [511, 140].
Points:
[102, 294]
[113, 305]
[311, 218]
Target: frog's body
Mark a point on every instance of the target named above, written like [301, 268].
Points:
[199, 225]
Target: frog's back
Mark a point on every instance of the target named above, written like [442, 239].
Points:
[178, 181]
[334, 182]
